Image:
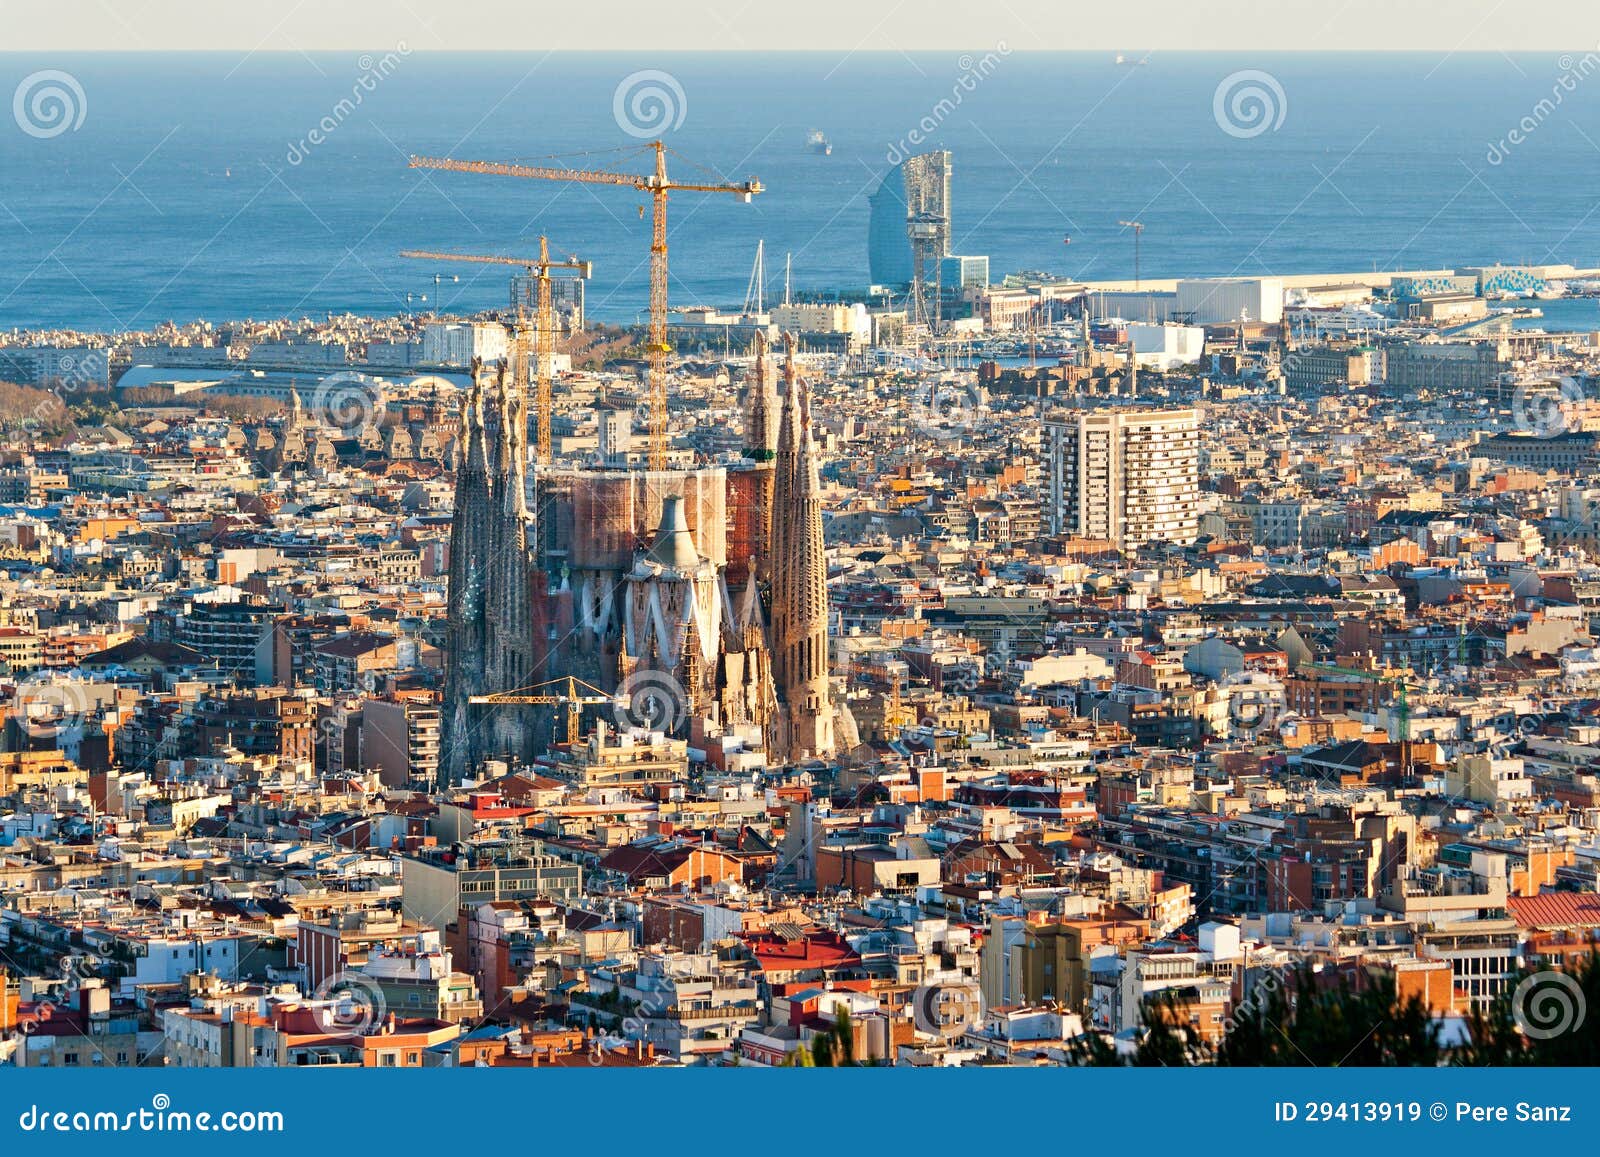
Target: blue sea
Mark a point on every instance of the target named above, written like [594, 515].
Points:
[223, 186]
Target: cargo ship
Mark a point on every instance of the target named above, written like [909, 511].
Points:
[819, 143]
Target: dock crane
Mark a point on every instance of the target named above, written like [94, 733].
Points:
[538, 271]
[573, 694]
[658, 185]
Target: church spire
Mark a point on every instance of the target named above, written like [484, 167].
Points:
[471, 533]
[800, 579]
[761, 407]
[510, 607]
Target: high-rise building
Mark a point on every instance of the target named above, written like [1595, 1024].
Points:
[908, 229]
[1128, 477]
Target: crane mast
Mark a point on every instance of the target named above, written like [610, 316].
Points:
[657, 184]
[544, 324]
[570, 693]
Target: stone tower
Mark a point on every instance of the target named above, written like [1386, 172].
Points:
[509, 616]
[800, 583]
[466, 629]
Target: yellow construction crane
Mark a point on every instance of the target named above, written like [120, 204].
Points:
[657, 184]
[544, 325]
[572, 693]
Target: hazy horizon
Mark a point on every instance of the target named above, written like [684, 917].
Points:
[845, 26]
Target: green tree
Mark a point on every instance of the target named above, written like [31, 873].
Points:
[1548, 1017]
[1297, 1019]
[822, 1051]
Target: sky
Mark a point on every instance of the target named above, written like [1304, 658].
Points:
[846, 26]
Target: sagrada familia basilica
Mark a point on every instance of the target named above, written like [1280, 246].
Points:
[696, 597]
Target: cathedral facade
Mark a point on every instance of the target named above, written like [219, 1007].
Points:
[688, 594]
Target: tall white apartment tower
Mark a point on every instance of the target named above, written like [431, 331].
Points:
[1125, 476]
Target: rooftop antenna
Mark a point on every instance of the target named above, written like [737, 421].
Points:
[787, 258]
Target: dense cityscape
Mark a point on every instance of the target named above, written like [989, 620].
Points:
[966, 671]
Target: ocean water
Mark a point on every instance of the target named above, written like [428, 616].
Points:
[194, 185]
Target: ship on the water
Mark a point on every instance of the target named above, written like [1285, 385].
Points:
[818, 142]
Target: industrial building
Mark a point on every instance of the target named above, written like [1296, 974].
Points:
[1223, 300]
